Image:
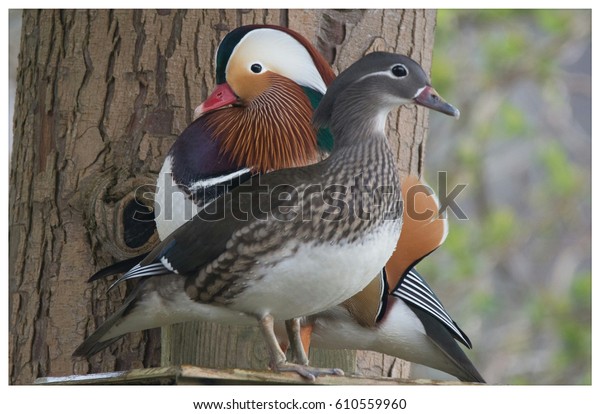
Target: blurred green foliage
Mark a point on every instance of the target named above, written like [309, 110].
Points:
[561, 176]
[517, 274]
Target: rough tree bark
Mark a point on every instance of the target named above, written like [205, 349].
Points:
[101, 97]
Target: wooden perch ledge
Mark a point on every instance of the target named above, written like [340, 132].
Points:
[189, 375]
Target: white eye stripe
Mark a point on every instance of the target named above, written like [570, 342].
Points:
[387, 73]
[267, 46]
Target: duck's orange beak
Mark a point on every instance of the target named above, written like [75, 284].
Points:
[222, 96]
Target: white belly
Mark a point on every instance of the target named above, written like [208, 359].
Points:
[318, 277]
[400, 334]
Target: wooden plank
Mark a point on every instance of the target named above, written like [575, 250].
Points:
[189, 374]
[161, 375]
[221, 346]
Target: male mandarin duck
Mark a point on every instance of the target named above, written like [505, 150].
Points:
[279, 78]
[264, 123]
[197, 162]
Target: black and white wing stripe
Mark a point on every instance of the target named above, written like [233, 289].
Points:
[383, 302]
[154, 269]
[413, 289]
[157, 268]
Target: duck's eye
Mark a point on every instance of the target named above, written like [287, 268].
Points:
[256, 68]
[399, 71]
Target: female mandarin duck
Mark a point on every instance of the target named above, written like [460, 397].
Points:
[217, 151]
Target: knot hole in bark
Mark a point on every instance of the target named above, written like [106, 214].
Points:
[138, 222]
[123, 211]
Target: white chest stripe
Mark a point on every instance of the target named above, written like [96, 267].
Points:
[209, 182]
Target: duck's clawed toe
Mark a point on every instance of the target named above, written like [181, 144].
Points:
[307, 372]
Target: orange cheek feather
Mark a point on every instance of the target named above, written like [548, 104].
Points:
[247, 86]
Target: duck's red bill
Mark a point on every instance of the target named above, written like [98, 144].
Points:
[222, 96]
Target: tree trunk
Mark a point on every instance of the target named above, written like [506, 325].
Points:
[101, 97]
